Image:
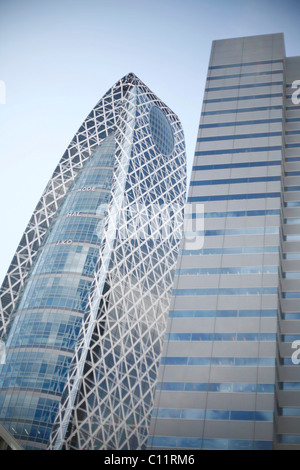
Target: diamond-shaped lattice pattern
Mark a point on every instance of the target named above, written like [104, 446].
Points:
[109, 394]
[107, 398]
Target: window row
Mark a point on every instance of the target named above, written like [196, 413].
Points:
[292, 220]
[239, 136]
[209, 444]
[220, 337]
[213, 414]
[292, 275]
[224, 166]
[291, 316]
[94, 177]
[240, 123]
[77, 229]
[222, 313]
[243, 86]
[91, 202]
[229, 291]
[35, 370]
[235, 231]
[242, 110]
[21, 430]
[231, 251]
[292, 204]
[290, 439]
[56, 292]
[291, 295]
[70, 258]
[233, 197]
[289, 385]
[27, 407]
[243, 98]
[247, 74]
[238, 150]
[216, 361]
[245, 213]
[245, 64]
[292, 173]
[291, 159]
[62, 334]
[216, 387]
[255, 179]
[291, 188]
[228, 270]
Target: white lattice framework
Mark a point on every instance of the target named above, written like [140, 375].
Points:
[108, 397]
[95, 128]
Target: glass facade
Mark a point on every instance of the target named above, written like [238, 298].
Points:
[50, 310]
[288, 372]
[94, 302]
[234, 311]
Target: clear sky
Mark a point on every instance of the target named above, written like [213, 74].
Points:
[59, 57]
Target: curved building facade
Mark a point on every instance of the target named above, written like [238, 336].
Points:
[85, 300]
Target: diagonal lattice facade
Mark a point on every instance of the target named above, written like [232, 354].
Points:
[100, 251]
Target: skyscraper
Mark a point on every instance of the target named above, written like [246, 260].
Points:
[85, 301]
[229, 376]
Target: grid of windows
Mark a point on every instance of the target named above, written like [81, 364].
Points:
[161, 131]
[77, 229]
[94, 177]
[125, 341]
[287, 436]
[34, 371]
[94, 304]
[46, 330]
[68, 258]
[221, 338]
[51, 308]
[62, 292]
[87, 203]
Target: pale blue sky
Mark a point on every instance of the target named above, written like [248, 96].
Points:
[59, 57]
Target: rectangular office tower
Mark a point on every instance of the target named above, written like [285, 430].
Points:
[230, 373]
